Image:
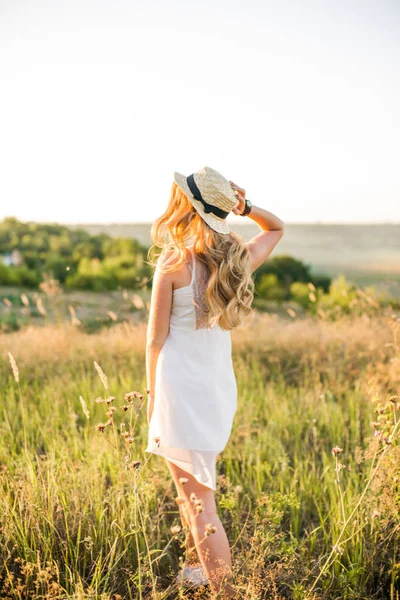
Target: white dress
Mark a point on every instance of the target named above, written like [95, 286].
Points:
[195, 395]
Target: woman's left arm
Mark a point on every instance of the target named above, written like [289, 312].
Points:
[158, 326]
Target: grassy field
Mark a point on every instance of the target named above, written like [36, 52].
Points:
[88, 514]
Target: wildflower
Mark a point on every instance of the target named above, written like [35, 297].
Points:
[338, 549]
[183, 480]
[193, 497]
[336, 450]
[238, 489]
[110, 399]
[378, 434]
[387, 440]
[147, 390]
[198, 504]
[393, 399]
[125, 407]
[179, 500]
[110, 411]
[175, 529]
[339, 467]
[101, 427]
[375, 513]
[128, 397]
[14, 367]
[375, 424]
[136, 464]
[157, 440]
[210, 528]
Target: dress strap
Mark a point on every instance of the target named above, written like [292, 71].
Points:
[192, 265]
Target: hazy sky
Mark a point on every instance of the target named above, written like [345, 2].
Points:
[101, 101]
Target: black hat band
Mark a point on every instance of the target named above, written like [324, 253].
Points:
[197, 195]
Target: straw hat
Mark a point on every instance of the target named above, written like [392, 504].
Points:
[211, 195]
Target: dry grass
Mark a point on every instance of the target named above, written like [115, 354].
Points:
[86, 514]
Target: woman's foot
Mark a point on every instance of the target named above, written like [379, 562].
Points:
[192, 576]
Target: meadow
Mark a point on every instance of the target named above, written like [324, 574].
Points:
[308, 485]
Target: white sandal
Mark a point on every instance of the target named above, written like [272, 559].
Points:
[192, 576]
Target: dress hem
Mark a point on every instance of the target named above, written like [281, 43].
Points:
[178, 463]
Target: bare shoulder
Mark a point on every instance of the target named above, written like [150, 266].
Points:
[261, 246]
[174, 277]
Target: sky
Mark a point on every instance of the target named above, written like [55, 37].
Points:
[102, 101]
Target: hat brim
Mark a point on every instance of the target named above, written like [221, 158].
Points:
[219, 225]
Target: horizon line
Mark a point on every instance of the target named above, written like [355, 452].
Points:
[232, 223]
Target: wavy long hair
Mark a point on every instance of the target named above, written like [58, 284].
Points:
[230, 288]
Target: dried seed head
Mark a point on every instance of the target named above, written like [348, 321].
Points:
[199, 505]
[175, 529]
[125, 407]
[157, 440]
[100, 427]
[193, 497]
[84, 407]
[393, 399]
[128, 397]
[210, 528]
[102, 376]
[14, 367]
[25, 299]
[183, 480]
[238, 489]
[336, 450]
[179, 500]
[375, 514]
[110, 399]
[40, 307]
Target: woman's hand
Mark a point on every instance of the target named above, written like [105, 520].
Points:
[240, 194]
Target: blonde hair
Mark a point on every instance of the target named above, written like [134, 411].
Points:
[230, 288]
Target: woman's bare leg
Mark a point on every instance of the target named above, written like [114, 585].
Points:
[213, 549]
[191, 551]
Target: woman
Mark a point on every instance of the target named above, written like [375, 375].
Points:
[200, 293]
